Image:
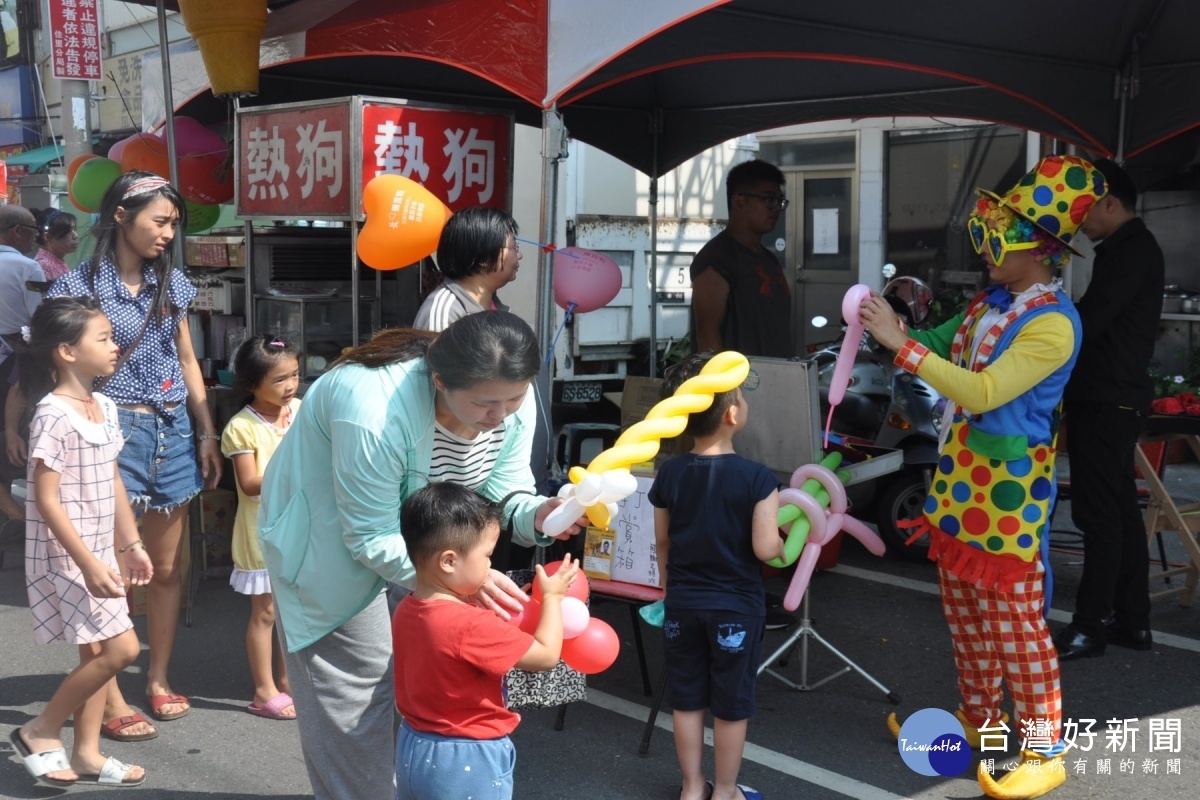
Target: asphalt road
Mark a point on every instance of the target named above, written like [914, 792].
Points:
[826, 743]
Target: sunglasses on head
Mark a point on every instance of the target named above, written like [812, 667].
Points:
[983, 236]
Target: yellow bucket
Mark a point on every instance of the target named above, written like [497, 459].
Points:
[228, 33]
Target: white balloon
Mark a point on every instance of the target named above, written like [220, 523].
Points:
[575, 617]
[563, 517]
[566, 490]
[619, 482]
[588, 489]
[612, 512]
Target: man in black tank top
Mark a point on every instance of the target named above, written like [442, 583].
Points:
[740, 298]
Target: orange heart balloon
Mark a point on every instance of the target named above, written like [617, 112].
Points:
[404, 222]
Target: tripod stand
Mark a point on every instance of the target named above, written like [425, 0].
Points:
[799, 639]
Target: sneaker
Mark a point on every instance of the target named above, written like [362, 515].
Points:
[778, 619]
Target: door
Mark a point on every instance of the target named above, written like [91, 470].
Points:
[820, 250]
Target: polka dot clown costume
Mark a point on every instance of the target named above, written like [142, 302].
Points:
[1003, 365]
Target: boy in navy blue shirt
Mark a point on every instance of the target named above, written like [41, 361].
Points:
[714, 522]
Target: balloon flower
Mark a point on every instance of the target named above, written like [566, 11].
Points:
[404, 222]
[814, 505]
[855, 296]
[607, 480]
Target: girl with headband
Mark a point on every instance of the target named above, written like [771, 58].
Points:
[267, 368]
[165, 461]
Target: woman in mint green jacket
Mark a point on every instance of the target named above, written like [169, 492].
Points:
[401, 410]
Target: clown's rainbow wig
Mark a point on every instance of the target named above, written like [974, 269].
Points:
[1016, 229]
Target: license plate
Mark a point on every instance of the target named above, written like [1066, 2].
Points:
[581, 392]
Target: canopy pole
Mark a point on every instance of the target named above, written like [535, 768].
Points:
[554, 149]
[164, 48]
[655, 129]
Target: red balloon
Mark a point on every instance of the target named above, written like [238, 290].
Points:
[578, 590]
[594, 650]
[146, 152]
[529, 617]
[203, 180]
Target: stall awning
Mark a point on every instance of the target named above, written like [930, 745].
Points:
[37, 158]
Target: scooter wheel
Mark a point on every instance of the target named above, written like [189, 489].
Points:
[902, 499]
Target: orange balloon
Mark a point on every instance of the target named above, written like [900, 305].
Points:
[148, 153]
[73, 167]
[203, 180]
[404, 222]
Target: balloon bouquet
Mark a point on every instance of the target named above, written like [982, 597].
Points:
[205, 181]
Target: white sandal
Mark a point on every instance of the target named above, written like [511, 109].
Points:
[113, 774]
[38, 764]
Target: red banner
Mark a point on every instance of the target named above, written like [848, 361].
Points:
[294, 163]
[462, 157]
[75, 39]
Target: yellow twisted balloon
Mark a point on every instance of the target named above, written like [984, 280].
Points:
[724, 372]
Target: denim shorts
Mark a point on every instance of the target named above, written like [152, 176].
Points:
[158, 461]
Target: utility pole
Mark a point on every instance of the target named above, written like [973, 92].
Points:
[75, 118]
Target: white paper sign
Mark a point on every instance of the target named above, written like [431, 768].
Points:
[825, 231]
[635, 559]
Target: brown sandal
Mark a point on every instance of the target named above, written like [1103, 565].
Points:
[112, 729]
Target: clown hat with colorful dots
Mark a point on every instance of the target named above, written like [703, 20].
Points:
[1055, 195]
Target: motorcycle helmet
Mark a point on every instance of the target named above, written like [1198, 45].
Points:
[910, 297]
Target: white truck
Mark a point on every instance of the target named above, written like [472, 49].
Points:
[597, 350]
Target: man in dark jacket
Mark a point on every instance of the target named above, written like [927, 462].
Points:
[1109, 393]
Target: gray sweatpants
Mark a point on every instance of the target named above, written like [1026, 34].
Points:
[345, 706]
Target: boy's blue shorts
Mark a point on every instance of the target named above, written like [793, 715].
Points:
[712, 660]
[430, 766]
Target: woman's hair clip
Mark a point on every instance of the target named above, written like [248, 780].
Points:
[278, 343]
[25, 334]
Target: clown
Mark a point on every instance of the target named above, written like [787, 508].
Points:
[1003, 364]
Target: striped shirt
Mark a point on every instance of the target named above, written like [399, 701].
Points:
[467, 462]
[447, 303]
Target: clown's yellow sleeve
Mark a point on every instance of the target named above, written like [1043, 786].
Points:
[1042, 346]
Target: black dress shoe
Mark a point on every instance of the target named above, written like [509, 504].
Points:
[1073, 643]
[1133, 638]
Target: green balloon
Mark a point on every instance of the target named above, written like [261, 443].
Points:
[92, 180]
[201, 217]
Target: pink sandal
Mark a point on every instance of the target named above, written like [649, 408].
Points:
[273, 708]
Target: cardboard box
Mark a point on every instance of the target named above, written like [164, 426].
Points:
[214, 251]
[216, 514]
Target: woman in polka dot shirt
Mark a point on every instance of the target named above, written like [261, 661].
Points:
[164, 463]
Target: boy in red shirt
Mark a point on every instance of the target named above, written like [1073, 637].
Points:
[452, 656]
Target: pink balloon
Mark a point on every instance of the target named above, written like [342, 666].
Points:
[804, 569]
[828, 480]
[586, 278]
[868, 537]
[594, 650]
[192, 138]
[575, 617]
[854, 298]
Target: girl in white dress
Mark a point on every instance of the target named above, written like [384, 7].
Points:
[76, 515]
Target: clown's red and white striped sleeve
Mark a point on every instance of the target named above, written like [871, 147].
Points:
[910, 356]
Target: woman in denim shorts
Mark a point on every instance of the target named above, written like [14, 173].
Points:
[164, 463]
